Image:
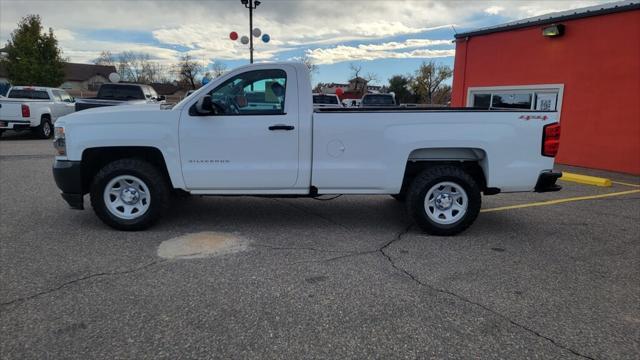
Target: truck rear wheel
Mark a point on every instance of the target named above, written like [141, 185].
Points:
[44, 130]
[444, 200]
[129, 194]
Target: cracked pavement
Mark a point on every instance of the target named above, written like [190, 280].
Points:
[347, 278]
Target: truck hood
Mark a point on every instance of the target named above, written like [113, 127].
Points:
[113, 114]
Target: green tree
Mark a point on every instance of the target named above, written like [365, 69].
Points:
[429, 81]
[399, 85]
[33, 56]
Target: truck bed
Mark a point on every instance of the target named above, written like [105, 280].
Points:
[366, 150]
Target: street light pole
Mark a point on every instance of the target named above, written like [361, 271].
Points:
[251, 5]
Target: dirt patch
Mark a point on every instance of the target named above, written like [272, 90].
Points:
[202, 244]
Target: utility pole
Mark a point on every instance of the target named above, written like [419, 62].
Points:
[251, 5]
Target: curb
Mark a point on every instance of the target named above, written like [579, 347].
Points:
[586, 180]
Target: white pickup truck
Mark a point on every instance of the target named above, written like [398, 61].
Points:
[130, 158]
[35, 108]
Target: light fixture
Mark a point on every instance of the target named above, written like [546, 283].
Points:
[553, 30]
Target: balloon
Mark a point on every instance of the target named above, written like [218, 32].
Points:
[339, 92]
[114, 77]
[266, 38]
[244, 40]
[256, 32]
[233, 36]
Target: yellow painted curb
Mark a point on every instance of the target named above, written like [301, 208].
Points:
[586, 180]
[560, 201]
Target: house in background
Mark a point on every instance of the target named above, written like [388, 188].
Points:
[80, 79]
[583, 63]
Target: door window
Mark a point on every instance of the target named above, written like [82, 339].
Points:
[57, 96]
[251, 93]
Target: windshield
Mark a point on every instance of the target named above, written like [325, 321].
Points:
[325, 99]
[120, 92]
[378, 100]
[28, 94]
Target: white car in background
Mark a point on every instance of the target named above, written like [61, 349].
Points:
[35, 108]
[326, 101]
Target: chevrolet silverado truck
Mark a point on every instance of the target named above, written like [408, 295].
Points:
[34, 108]
[120, 94]
[130, 159]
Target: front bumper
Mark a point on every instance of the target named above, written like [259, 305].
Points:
[68, 177]
[547, 182]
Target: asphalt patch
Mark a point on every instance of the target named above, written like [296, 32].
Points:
[200, 245]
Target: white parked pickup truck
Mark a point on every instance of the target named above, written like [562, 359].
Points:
[35, 108]
[130, 158]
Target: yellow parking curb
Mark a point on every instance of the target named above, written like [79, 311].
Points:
[560, 201]
[585, 179]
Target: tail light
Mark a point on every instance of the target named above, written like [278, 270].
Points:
[550, 139]
[26, 112]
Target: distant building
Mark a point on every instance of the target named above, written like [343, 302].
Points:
[355, 89]
[78, 78]
[85, 77]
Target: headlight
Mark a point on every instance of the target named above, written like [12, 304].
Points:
[59, 141]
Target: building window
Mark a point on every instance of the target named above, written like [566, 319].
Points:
[511, 101]
[482, 101]
[531, 97]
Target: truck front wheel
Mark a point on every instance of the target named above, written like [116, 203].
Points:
[444, 200]
[129, 194]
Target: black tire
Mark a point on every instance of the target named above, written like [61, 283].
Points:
[430, 178]
[152, 178]
[1, 131]
[401, 197]
[45, 129]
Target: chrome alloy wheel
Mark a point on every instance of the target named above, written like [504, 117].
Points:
[46, 129]
[127, 197]
[446, 203]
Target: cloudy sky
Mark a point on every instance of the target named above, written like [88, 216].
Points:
[385, 37]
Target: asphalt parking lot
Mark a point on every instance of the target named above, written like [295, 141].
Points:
[347, 278]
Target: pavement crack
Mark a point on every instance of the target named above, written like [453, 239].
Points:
[79, 280]
[310, 212]
[466, 300]
[285, 248]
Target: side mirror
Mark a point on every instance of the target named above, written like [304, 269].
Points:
[206, 107]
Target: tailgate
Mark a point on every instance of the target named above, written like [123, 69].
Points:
[11, 110]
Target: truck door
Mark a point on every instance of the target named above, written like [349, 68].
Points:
[249, 140]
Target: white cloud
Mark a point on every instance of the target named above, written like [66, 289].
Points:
[387, 50]
[203, 27]
[494, 10]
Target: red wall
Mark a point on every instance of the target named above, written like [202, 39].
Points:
[597, 60]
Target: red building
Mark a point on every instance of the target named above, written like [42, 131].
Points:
[584, 63]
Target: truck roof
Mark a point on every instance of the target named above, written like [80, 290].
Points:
[37, 88]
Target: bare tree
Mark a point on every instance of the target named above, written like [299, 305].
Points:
[371, 77]
[105, 58]
[218, 69]
[355, 70]
[135, 67]
[429, 79]
[188, 70]
[310, 64]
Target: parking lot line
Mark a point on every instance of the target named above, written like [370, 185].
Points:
[585, 179]
[560, 201]
[625, 183]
